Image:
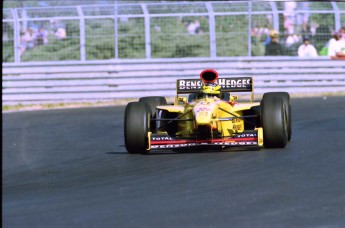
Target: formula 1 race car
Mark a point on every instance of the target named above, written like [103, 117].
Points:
[210, 116]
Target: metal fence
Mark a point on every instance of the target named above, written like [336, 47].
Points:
[110, 80]
[164, 29]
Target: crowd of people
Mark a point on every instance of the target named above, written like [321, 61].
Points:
[335, 46]
[274, 48]
[298, 35]
[32, 37]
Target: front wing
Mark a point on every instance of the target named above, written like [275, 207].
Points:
[247, 138]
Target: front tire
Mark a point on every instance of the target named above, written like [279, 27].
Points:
[137, 126]
[286, 98]
[274, 122]
[153, 102]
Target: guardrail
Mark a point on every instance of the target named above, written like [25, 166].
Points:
[106, 81]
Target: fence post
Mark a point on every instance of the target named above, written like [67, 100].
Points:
[336, 16]
[211, 22]
[275, 16]
[116, 40]
[16, 42]
[82, 33]
[147, 31]
[249, 28]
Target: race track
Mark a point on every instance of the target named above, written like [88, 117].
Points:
[69, 168]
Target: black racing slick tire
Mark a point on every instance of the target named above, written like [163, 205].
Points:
[286, 98]
[137, 125]
[274, 122]
[153, 102]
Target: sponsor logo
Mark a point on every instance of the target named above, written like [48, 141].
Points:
[186, 84]
[237, 127]
[172, 146]
[202, 109]
[167, 146]
[194, 84]
[237, 143]
[161, 138]
[244, 135]
[234, 83]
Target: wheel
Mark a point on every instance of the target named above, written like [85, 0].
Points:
[274, 122]
[289, 127]
[286, 98]
[153, 102]
[137, 125]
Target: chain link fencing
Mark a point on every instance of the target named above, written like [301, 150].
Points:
[160, 30]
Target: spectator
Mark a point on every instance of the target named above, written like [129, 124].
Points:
[342, 34]
[333, 44]
[336, 45]
[59, 29]
[273, 48]
[60, 34]
[289, 16]
[267, 40]
[289, 26]
[303, 18]
[194, 27]
[42, 37]
[306, 30]
[307, 49]
[261, 33]
[22, 42]
[258, 36]
[29, 38]
[338, 49]
[291, 40]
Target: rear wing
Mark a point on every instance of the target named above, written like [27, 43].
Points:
[240, 84]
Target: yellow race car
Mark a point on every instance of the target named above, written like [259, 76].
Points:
[206, 114]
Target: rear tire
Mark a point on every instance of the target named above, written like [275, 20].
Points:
[137, 126]
[286, 98]
[274, 122]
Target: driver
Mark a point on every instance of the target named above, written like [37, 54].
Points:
[210, 89]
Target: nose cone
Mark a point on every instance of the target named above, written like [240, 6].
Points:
[203, 118]
[203, 113]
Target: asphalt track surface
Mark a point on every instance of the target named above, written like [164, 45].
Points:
[69, 168]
